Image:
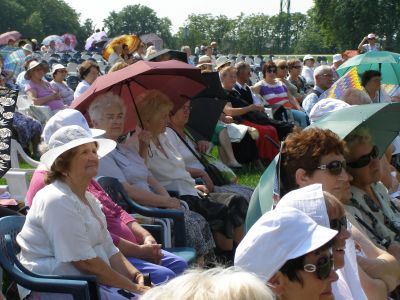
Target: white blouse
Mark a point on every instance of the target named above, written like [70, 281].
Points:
[60, 229]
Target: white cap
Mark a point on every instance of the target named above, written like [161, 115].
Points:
[27, 47]
[57, 67]
[308, 56]
[70, 137]
[371, 36]
[310, 200]
[337, 57]
[326, 106]
[278, 236]
[67, 117]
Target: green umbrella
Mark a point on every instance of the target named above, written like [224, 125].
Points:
[381, 119]
[388, 63]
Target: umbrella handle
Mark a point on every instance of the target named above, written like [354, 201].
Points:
[134, 104]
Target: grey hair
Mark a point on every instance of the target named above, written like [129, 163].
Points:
[102, 103]
[361, 135]
[321, 70]
[213, 284]
[184, 48]
[355, 96]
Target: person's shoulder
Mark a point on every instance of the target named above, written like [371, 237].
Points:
[51, 194]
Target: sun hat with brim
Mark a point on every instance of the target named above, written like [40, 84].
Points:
[310, 200]
[32, 65]
[326, 106]
[27, 47]
[337, 57]
[308, 56]
[222, 60]
[57, 67]
[68, 117]
[278, 236]
[204, 60]
[371, 36]
[70, 137]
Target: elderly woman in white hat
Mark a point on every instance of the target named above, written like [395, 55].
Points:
[39, 90]
[65, 232]
[59, 85]
[205, 64]
[291, 253]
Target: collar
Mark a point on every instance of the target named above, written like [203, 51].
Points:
[317, 88]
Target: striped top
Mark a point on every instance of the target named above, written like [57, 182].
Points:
[274, 93]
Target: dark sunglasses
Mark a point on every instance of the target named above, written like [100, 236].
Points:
[283, 67]
[334, 167]
[271, 70]
[323, 267]
[338, 224]
[365, 159]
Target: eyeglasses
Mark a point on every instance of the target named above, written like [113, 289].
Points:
[283, 67]
[323, 267]
[111, 118]
[339, 224]
[364, 160]
[271, 70]
[334, 167]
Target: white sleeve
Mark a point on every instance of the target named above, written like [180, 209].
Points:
[66, 230]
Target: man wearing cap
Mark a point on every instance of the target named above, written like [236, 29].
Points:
[337, 62]
[308, 69]
[369, 44]
[290, 252]
[323, 77]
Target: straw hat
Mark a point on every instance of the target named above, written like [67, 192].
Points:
[32, 65]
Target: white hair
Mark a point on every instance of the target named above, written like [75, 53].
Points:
[213, 284]
[321, 70]
[354, 96]
[101, 103]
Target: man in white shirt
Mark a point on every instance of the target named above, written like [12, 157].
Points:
[308, 69]
[372, 45]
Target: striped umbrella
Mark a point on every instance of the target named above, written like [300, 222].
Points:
[14, 62]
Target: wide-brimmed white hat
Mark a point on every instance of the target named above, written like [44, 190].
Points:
[70, 137]
[337, 57]
[222, 60]
[204, 60]
[67, 117]
[32, 65]
[57, 67]
[27, 47]
[310, 200]
[278, 236]
[326, 106]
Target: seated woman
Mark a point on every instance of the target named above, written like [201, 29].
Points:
[59, 85]
[225, 212]
[252, 115]
[299, 264]
[39, 91]
[65, 232]
[274, 92]
[88, 73]
[107, 112]
[326, 210]
[181, 139]
[133, 241]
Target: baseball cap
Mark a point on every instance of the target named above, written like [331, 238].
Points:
[67, 117]
[278, 236]
[371, 36]
[337, 57]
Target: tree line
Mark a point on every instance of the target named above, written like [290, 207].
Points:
[330, 26]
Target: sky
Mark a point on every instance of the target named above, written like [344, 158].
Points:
[98, 10]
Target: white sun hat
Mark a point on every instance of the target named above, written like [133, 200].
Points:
[67, 117]
[70, 137]
[278, 236]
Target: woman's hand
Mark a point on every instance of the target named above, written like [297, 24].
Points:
[173, 202]
[202, 146]
[202, 188]
[151, 252]
[208, 182]
[149, 240]
[138, 285]
[56, 96]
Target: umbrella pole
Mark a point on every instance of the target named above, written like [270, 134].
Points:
[134, 104]
[379, 92]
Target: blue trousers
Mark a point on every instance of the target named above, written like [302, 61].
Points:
[171, 266]
[300, 117]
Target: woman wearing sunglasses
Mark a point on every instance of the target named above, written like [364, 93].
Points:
[327, 211]
[371, 203]
[291, 253]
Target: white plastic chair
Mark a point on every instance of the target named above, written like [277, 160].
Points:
[257, 61]
[248, 60]
[16, 149]
[72, 67]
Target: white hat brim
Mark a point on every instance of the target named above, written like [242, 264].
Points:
[105, 146]
[97, 132]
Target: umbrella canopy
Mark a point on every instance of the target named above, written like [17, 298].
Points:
[388, 63]
[6, 50]
[132, 41]
[176, 79]
[14, 62]
[152, 38]
[5, 37]
[95, 37]
[71, 37]
[56, 38]
[381, 119]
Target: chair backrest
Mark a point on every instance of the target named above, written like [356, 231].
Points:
[16, 152]
[116, 192]
[9, 228]
[72, 67]
[72, 81]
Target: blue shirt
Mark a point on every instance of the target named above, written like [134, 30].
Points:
[311, 99]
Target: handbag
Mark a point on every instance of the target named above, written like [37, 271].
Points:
[215, 174]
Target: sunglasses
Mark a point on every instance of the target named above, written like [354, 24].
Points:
[364, 160]
[323, 267]
[339, 224]
[271, 70]
[334, 167]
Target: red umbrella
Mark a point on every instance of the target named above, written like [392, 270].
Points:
[176, 79]
[5, 37]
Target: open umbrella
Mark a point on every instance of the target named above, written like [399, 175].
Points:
[94, 38]
[132, 41]
[14, 62]
[71, 37]
[5, 37]
[6, 50]
[175, 79]
[56, 38]
[152, 38]
[388, 63]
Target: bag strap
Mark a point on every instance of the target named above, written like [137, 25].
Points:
[200, 159]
